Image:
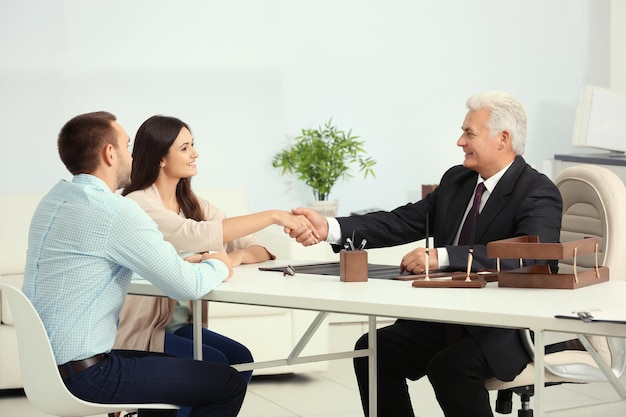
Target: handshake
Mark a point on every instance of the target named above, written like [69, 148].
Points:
[306, 226]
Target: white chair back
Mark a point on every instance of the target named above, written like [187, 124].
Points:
[42, 382]
[594, 201]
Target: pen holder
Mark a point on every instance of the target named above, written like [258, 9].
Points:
[352, 265]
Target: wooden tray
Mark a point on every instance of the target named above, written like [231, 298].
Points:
[539, 276]
[528, 247]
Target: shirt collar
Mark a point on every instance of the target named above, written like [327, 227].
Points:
[89, 179]
[492, 181]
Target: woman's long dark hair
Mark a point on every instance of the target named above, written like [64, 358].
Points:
[152, 143]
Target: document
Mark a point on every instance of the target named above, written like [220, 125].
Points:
[612, 316]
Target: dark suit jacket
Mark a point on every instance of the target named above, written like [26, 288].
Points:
[524, 202]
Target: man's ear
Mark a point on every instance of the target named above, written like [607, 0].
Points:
[504, 140]
[108, 154]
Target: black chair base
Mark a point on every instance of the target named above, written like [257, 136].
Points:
[504, 401]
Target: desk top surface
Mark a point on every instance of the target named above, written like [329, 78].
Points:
[488, 306]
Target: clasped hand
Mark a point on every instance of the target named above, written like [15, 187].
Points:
[300, 226]
[415, 261]
[220, 256]
[309, 235]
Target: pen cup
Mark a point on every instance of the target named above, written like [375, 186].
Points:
[352, 265]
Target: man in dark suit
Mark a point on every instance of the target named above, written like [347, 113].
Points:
[517, 200]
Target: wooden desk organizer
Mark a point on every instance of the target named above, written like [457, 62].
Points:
[539, 276]
[452, 279]
[449, 280]
[352, 265]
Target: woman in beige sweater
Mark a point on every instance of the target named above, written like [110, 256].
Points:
[164, 160]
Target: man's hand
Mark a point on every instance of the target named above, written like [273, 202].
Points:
[303, 235]
[415, 261]
[296, 221]
[220, 256]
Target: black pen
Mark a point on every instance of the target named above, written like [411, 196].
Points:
[427, 236]
[427, 257]
[470, 254]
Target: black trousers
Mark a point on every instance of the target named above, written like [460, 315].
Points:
[413, 349]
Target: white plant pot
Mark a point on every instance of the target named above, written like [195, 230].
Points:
[327, 208]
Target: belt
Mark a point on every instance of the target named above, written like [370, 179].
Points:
[79, 366]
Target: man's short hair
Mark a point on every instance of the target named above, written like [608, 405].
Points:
[82, 138]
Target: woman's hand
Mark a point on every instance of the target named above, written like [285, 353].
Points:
[194, 259]
[298, 222]
[236, 257]
[303, 235]
[220, 256]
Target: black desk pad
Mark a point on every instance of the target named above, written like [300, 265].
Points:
[332, 268]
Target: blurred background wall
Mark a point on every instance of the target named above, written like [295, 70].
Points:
[247, 75]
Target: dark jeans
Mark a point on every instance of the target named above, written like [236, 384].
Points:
[215, 348]
[210, 389]
[411, 350]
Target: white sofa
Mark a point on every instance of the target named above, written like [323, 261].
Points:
[16, 211]
[268, 332]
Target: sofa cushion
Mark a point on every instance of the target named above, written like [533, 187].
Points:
[16, 212]
[10, 375]
[15, 280]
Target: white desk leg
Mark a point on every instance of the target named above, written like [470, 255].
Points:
[306, 337]
[604, 367]
[197, 329]
[372, 367]
[539, 361]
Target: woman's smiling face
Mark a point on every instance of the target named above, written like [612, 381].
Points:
[180, 161]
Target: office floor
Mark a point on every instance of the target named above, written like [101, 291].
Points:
[334, 393]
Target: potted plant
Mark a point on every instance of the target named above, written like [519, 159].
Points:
[320, 157]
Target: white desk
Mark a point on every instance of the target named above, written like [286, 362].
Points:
[489, 306]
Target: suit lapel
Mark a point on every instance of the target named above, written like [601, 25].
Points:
[497, 199]
[457, 207]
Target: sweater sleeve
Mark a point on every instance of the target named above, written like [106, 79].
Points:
[185, 234]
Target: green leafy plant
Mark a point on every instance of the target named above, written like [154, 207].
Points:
[321, 156]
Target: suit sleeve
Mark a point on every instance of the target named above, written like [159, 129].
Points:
[402, 225]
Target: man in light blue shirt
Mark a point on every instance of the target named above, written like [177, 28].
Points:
[85, 243]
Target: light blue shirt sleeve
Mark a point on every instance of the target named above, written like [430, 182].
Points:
[137, 244]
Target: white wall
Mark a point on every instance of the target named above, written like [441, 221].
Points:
[618, 46]
[249, 74]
